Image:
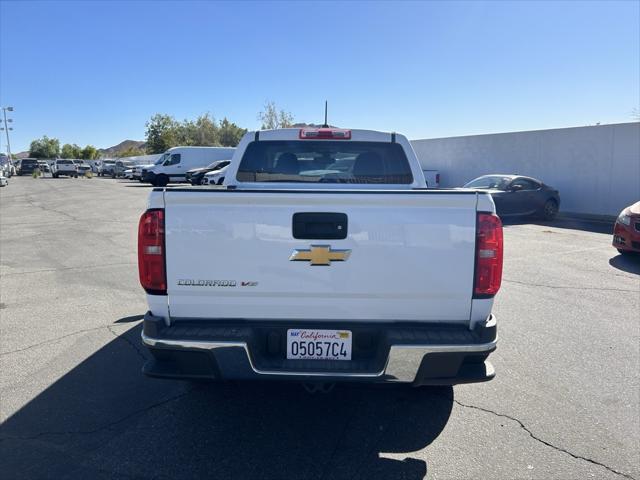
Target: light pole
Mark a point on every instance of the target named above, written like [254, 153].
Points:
[7, 128]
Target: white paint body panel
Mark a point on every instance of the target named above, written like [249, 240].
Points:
[412, 251]
[412, 256]
[158, 306]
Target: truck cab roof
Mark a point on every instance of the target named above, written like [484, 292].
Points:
[329, 162]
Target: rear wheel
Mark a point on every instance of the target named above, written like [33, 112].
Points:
[550, 210]
[161, 181]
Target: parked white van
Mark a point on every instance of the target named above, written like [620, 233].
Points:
[172, 166]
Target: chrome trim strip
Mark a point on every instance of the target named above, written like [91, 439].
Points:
[402, 364]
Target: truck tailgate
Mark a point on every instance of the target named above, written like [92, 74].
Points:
[411, 255]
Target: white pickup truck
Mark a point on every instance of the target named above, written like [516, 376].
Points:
[322, 258]
[66, 167]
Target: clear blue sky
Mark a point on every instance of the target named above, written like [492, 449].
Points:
[91, 72]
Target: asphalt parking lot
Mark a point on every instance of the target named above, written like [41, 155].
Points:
[73, 404]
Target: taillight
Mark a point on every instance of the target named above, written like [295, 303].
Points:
[151, 254]
[324, 133]
[489, 248]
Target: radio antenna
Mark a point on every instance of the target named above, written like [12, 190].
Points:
[326, 125]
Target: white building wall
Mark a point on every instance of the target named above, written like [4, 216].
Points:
[596, 169]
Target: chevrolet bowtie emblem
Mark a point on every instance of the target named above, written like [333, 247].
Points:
[320, 255]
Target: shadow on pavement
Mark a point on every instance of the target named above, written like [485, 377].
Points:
[104, 419]
[132, 318]
[626, 263]
[594, 226]
[63, 177]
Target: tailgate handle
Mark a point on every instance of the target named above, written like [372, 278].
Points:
[319, 226]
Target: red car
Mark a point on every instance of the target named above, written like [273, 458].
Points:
[626, 232]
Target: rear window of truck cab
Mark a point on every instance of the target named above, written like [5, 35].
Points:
[324, 161]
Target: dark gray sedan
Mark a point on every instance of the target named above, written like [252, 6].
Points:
[519, 195]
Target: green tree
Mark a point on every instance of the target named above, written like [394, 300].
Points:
[89, 153]
[45, 147]
[71, 151]
[207, 131]
[202, 132]
[185, 133]
[162, 133]
[229, 133]
[273, 118]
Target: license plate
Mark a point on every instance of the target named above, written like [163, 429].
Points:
[307, 344]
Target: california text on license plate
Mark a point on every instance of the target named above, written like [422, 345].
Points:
[308, 344]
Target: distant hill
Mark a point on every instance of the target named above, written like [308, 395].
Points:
[121, 147]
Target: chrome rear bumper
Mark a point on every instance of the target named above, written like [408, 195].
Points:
[411, 354]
